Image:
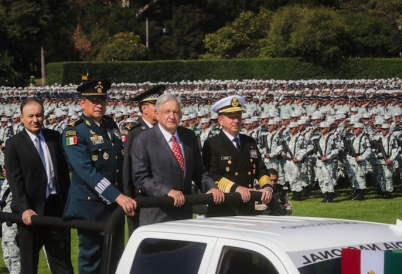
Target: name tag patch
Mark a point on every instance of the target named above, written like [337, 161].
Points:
[225, 158]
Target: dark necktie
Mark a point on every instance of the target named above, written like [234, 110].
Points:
[177, 153]
[39, 148]
[236, 140]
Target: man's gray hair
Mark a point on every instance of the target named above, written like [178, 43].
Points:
[165, 98]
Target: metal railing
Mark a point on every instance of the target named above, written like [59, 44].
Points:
[109, 228]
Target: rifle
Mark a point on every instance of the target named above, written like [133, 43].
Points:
[287, 149]
[317, 147]
[349, 147]
[382, 150]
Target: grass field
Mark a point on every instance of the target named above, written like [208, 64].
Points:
[372, 209]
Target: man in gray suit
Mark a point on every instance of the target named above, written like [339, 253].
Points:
[165, 160]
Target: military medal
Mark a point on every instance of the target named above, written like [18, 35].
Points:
[105, 156]
[253, 153]
[96, 139]
[122, 152]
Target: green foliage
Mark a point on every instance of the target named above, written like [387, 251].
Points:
[319, 34]
[239, 39]
[274, 68]
[123, 47]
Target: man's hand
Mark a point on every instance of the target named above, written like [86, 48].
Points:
[324, 158]
[244, 192]
[387, 162]
[295, 160]
[268, 155]
[128, 204]
[218, 195]
[26, 216]
[177, 196]
[266, 194]
[357, 159]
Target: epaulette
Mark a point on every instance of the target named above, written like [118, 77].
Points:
[137, 125]
[75, 122]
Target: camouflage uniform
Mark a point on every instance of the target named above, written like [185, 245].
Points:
[356, 171]
[326, 171]
[385, 173]
[294, 172]
[11, 251]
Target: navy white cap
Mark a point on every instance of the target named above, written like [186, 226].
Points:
[229, 104]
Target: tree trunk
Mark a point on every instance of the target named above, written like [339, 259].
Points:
[42, 65]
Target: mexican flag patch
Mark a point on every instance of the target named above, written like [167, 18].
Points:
[70, 141]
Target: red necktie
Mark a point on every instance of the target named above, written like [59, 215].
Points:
[177, 153]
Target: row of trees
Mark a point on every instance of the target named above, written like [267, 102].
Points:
[38, 31]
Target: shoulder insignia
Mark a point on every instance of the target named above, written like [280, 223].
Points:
[135, 126]
[71, 133]
[124, 132]
[127, 128]
[74, 123]
[143, 127]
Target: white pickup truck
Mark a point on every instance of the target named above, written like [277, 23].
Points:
[249, 245]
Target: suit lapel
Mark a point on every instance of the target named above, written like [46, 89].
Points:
[245, 150]
[160, 141]
[31, 148]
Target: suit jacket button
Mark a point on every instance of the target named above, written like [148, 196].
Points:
[236, 173]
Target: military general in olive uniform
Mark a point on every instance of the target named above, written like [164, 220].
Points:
[94, 150]
[148, 119]
[233, 160]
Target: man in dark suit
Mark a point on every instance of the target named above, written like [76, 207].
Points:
[146, 101]
[39, 180]
[234, 161]
[94, 150]
[165, 159]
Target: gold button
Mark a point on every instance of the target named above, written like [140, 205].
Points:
[89, 198]
[116, 184]
[139, 191]
[99, 150]
[236, 173]
[229, 162]
[112, 144]
[249, 173]
[249, 185]
[251, 160]
[117, 157]
[117, 170]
